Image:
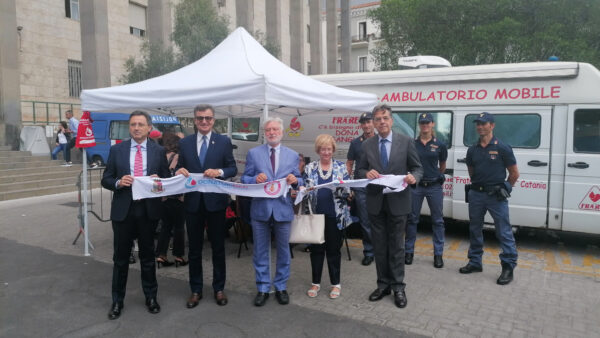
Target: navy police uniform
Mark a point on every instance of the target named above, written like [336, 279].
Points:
[488, 192]
[360, 195]
[431, 155]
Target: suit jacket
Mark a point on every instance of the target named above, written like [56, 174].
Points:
[118, 166]
[258, 161]
[219, 156]
[403, 159]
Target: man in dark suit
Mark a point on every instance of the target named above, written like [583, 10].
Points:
[134, 219]
[389, 153]
[211, 154]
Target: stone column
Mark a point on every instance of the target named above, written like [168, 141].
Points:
[331, 13]
[273, 18]
[345, 22]
[10, 77]
[315, 36]
[95, 58]
[297, 35]
[244, 13]
[159, 22]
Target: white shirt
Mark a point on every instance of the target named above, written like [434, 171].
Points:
[199, 141]
[133, 151]
[62, 139]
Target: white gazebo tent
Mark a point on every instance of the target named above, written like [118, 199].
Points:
[239, 77]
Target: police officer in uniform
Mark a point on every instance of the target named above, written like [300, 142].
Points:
[487, 162]
[433, 154]
[354, 153]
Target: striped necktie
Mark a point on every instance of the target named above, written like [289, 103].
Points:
[138, 164]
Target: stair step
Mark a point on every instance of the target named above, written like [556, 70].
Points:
[5, 148]
[25, 158]
[26, 165]
[42, 170]
[4, 196]
[17, 186]
[14, 153]
[20, 177]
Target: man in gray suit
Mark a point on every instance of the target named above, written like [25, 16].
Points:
[389, 153]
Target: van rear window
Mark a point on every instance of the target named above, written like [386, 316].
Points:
[586, 136]
[406, 122]
[516, 130]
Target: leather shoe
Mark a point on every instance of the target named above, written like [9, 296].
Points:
[131, 258]
[438, 262]
[115, 310]
[379, 293]
[408, 258]
[367, 260]
[470, 268]
[282, 297]
[221, 298]
[400, 299]
[194, 299]
[152, 305]
[506, 276]
[261, 298]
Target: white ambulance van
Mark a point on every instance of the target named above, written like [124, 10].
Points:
[549, 112]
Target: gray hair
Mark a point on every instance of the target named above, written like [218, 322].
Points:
[273, 119]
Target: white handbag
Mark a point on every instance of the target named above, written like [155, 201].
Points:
[308, 228]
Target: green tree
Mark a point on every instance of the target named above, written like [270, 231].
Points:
[156, 60]
[487, 31]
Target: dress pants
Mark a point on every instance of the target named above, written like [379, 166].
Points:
[261, 233]
[215, 223]
[365, 223]
[479, 203]
[388, 244]
[70, 145]
[172, 221]
[332, 248]
[135, 225]
[435, 200]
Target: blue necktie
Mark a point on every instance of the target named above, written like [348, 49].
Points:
[203, 149]
[383, 154]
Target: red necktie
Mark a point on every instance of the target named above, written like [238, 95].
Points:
[138, 164]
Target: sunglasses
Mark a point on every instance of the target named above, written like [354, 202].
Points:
[205, 118]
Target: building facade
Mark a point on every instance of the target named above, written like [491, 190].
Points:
[52, 49]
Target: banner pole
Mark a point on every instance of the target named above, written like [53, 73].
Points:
[85, 205]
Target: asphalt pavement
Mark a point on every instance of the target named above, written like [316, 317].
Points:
[48, 288]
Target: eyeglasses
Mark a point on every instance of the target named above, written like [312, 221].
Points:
[205, 118]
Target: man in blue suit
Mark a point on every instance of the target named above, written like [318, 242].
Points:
[212, 155]
[267, 163]
[131, 219]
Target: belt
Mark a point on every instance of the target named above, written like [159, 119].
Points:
[484, 188]
[428, 183]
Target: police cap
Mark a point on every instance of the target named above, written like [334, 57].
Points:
[485, 117]
[425, 118]
[365, 117]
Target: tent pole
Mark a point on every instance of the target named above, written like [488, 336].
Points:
[85, 205]
[265, 117]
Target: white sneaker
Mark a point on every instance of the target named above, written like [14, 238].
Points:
[66, 164]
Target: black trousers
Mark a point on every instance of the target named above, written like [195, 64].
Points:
[215, 222]
[173, 221]
[70, 145]
[136, 225]
[331, 248]
[387, 234]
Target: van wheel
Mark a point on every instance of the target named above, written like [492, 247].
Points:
[97, 161]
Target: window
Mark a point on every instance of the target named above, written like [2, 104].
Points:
[308, 68]
[516, 130]
[308, 33]
[137, 20]
[74, 70]
[338, 66]
[407, 123]
[339, 34]
[119, 130]
[586, 136]
[72, 9]
[362, 31]
[245, 129]
[362, 64]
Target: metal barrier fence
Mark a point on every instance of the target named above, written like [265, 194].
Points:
[47, 113]
[94, 175]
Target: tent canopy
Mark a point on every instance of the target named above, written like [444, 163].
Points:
[238, 72]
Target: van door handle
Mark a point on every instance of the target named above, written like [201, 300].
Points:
[449, 172]
[578, 165]
[536, 163]
[234, 146]
[462, 160]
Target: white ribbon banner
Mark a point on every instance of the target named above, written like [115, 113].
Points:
[392, 183]
[149, 187]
